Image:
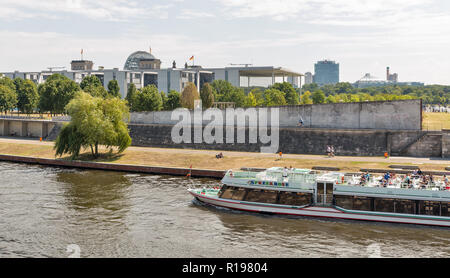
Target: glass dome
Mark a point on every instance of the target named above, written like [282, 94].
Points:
[133, 60]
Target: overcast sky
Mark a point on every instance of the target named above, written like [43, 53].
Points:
[364, 36]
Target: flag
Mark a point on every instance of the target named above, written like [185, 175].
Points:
[192, 58]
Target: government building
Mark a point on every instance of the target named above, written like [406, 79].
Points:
[142, 68]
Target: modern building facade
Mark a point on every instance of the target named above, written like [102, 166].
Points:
[326, 72]
[143, 68]
[309, 78]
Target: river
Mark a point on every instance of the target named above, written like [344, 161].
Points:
[55, 212]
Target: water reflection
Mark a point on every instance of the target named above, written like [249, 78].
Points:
[95, 189]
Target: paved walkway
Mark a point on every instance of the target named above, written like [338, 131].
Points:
[393, 160]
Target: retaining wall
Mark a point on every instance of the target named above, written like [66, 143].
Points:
[387, 115]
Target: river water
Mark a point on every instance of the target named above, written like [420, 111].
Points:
[45, 211]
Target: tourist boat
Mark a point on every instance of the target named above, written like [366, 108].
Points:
[303, 192]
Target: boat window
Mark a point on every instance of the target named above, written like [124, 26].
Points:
[362, 203]
[329, 189]
[429, 208]
[445, 209]
[261, 196]
[384, 205]
[405, 206]
[345, 202]
[239, 194]
[227, 193]
[294, 198]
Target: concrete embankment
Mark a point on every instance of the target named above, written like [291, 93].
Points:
[198, 173]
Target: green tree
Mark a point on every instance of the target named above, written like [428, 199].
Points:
[56, 93]
[27, 95]
[290, 94]
[173, 100]
[131, 96]
[149, 99]
[114, 89]
[189, 95]
[8, 98]
[6, 81]
[163, 100]
[250, 100]
[306, 98]
[94, 122]
[91, 84]
[274, 97]
[225, 92]
[318, 97]
[207, 96]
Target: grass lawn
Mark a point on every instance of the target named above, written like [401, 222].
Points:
[206, 159]
[435, 121]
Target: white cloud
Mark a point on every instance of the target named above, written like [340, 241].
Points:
[192, 14]
[109, 10]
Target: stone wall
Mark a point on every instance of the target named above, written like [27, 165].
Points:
[310, 141]
[387, 115]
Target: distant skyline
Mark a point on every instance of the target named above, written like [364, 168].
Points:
[412, 37]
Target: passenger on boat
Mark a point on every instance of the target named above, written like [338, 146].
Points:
[419, 172]
[407, 181]
[362, 181]
[285, 172]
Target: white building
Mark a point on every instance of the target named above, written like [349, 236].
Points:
[143, 69]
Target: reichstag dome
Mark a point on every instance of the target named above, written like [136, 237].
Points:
[140, 60]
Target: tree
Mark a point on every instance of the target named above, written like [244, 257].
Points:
[173, 100]
[56, 93]
[114, 89]
[92, 85]
[8, 98]
[225, 92]
[207, 96]
[318, 97]
[290, 94]
[274, 97]
[306, 98]
[163, 99]
[131, 96]
[8, 82]
[94, 122]
[148, 99]
[250, 100]
[27, 95]
[189, 95]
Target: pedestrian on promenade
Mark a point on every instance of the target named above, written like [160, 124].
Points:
[300, 122]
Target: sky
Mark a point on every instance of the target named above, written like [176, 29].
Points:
[363, 36]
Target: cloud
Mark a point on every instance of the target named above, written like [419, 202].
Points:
[192, 14]
[107, 10]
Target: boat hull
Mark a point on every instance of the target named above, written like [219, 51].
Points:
[324, 212]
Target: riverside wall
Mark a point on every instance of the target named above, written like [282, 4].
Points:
[312, 141]
[387, 115]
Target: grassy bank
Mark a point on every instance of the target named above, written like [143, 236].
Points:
[206, 159]
[436, 121]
